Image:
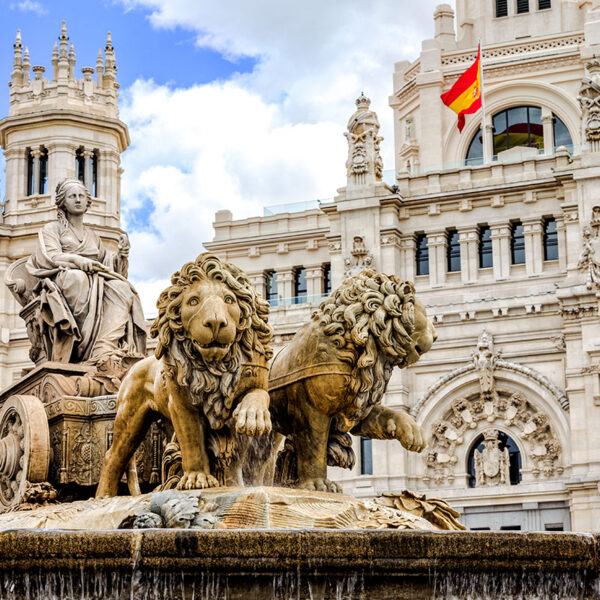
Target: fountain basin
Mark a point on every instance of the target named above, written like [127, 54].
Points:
[316, 564]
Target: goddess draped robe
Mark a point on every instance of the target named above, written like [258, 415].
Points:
[90, 316]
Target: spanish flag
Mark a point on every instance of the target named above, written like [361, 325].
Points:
[464, 97]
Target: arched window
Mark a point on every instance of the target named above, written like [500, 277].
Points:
[491, 448]
[37, 171]
[366, 456]
[550, 239]
[517, 243]
[486, 258]
[422, 255]
[271, 287]
[453, 251]
[518, 126]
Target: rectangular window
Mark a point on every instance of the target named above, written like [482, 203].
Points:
[522, 6]
[30, 184]
[95, 174]
[517, 244]
[554, 527]
[453, 251]
[422, 255]
[43, 181]
[366, 456]
[543, 4]
[271, 287]
[300, 287]
[486, 258]
[501, 8]
[80, 166]
[510, 528]
[327, 278]
[550, 239]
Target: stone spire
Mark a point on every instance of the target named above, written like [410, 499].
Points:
[72, 63]
[63, 55]
[17, 74]
[55, 62]
[26, 66]
[99, 69]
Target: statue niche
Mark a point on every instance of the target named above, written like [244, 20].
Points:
[77, 303]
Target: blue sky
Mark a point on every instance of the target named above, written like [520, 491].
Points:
[230, 105]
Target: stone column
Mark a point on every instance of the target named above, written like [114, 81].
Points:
[561, 234]
[285, 285]
[258, 281]
[36, 153]
[548, 121]
[488, 151]
[532, 230]
[407, 257]
[500, 250]
[436, 242]
[16, 176]
[61, 163]
[467, 236]
[88, 155]
[337, 263]
[314, 282]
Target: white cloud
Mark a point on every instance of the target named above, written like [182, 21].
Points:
[29, 6]
[267, 137]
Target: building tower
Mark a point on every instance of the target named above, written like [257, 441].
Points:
[58, 126]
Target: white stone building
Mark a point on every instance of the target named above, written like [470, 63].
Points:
[502, 241]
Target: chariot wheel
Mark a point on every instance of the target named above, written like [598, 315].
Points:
[24, 448]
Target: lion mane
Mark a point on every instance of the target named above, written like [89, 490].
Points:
[211, 385]
[369, 320]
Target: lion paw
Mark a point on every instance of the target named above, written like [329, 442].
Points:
[320, 485]
[196, 480]
[403, 428]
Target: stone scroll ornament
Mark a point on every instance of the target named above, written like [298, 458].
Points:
[328, 382]
[589, 101]
[209, 374]
[589, 260]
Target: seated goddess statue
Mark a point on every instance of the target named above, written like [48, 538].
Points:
[88, 311]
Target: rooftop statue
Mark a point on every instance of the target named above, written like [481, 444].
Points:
[208, 377]
[85, 309]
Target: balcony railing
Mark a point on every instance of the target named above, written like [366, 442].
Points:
[297, 300]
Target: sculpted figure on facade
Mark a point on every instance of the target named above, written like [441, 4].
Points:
[492, 465]
[484, 359]
[363, 144]
[330, 379]
[208, 376]
[589, 101]
[85, 309]
[589, 260]
[360, 258]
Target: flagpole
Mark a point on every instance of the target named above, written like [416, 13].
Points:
[483, 127]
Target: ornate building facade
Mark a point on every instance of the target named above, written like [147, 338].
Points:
[501, 235]
[58, 126]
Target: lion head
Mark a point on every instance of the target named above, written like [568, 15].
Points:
[375, 323]
[210, 319]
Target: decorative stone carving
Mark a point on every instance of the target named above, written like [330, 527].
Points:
[511, 411]
[495, 363]
[485, 359]
[492, 465]
[589, 101]
[331, 377]
[360, 258]
[589, 260]
[209, 373]
[364, 164]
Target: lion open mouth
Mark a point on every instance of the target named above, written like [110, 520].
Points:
[215, 344]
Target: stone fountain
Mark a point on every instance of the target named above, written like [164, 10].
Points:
[230, 446]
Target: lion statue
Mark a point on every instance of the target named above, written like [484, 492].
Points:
[209, 373]
[331, 377]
